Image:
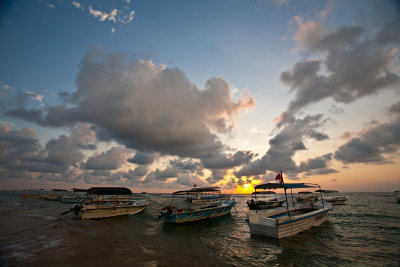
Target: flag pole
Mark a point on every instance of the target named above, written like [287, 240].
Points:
[284, 188]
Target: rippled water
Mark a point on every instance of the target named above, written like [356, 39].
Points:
[366, 232]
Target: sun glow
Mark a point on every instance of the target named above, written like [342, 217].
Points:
[244, 189]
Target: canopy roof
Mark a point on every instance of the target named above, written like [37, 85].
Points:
[197, 190]
[79, 190]
[327, 191]
[286, 186]
[109, 191]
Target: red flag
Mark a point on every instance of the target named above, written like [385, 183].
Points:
[194, 185]
[279, 177]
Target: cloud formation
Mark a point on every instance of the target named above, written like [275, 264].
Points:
[285, 144]
[146, 107]
[357, 63]
[373, 144]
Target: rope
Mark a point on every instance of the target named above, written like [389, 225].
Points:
[56, 221]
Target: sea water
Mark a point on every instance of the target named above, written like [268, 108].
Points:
[365, 232]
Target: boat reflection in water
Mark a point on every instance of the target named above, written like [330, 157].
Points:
[210, 204]
[279, 223]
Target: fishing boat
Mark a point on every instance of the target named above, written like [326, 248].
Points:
[333, 196]
[205, 195]
[77, 198]
[306, 197]
[397, 195]
[51, 197]
[264, 200]
[297, 217]
[196, 211]
[109, 202]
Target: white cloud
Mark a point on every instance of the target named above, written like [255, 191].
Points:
[77, 5]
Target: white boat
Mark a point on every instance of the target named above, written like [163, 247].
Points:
[279, 223]
[306, 197]
[397, 195]
[109, 202]
[195, 211]
[333, 196]
[265, 200]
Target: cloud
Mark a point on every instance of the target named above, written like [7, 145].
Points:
[373, 144]
[112, 159]
[284, 145]
[23, 157]
[356, 64]
[146, 107]
[77, 5]
[217, 176]
[142, 158]
[226, 161]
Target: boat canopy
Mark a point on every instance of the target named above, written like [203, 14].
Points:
[109, 191]
[285, 186]
[326, 191]
[197, 190]
[79, 190]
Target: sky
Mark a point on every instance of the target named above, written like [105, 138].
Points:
[159, 96]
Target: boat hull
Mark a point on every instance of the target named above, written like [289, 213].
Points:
[97, 212]
[187, 216]
[285, 226]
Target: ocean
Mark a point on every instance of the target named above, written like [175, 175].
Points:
[365, 232]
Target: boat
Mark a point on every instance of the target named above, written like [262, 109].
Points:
[109, 202]
[265, 200]
[51, 197]
[333, 196]
[206, 195]
[297, 217]
[196, 211]
[397, 195]
[77, 198]
[306, 197]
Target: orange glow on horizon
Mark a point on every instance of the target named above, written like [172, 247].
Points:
[244, 189]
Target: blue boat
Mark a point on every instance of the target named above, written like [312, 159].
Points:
[191, 213]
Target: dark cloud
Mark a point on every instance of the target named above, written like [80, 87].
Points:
[217, 176]
[142, 158]
[315, 163]
[373, 144]
[21, 152]
[226, 161]
[189, 166]
[357, 64]
[112, 159]
[284, 145]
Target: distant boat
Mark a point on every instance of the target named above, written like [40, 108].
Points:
[109, 202]
[397, 195]
[196, 211]
[265, 200]
[306, 197]
[51, 197]
[279, 223]
[31, 196]
[333, 196]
